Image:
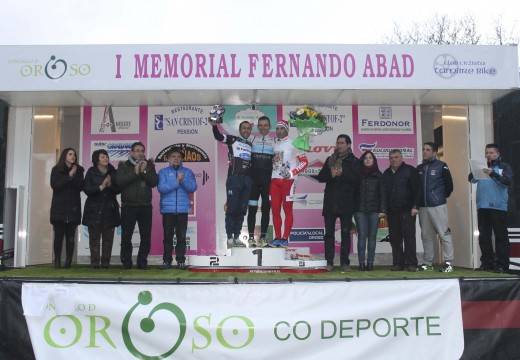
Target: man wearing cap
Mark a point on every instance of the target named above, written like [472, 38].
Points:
[238, 183]
[288, 162]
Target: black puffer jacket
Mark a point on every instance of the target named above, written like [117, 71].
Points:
[372, 193]
[340, 191]
[101, 208]
[402, 188]
[66, 200]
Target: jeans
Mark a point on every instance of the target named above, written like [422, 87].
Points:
[100, 249]
[330, 229]
[367, 224]
[175, 224]
[129, 216]
[238, 188]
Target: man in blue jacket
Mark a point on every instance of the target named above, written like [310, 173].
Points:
[436, 186]
[176, 182]
[492, 198]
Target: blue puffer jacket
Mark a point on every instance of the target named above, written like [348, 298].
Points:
[175, 196]
[493, 193]
[436, 183]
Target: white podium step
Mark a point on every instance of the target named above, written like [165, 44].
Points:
[259, 260]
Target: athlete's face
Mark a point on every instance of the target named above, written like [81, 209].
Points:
[245, 130]
[263, 127]
[281, 132]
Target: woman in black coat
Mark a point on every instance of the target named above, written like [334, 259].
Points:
[67, 184]
[101, 212]
[370, 207]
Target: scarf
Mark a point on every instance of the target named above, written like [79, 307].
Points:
[336, 159]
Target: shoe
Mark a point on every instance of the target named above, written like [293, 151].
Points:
[485, 268]
[370, 266]
[105, 266]
[500, 270]
[396, 268]
[57, 263]
[426, 267]
[165, 265]
[251, 242]
[263, 242]
[142, 267]
[127, 266]
[181, 266]
[329, 267]
[345, 268]
[283, 243]
[411, 268]
[95, 266]
[446, 268]
[239, 243]
[230, 243]
[362, 267]
[274, 243]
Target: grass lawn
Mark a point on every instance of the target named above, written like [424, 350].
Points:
[154, 274]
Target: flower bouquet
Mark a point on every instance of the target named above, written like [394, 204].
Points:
[309, 122]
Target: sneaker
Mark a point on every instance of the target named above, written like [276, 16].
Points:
[425, 267]
[274, 243]
[251, 242]
[230, 243]
[263, 242]
[345, 268]
[446, 267]
[181, 266]
[283, 243]
[165, 265]
[238, 243]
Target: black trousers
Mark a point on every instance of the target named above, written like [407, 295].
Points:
[401, 228]
[174, 224]
[68, 231]
[260, 188]
[130, 215]
[491, 220]
[330, 229]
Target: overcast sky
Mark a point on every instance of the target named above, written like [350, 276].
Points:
[26, 22]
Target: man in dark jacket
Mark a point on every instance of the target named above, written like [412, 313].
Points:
[342, 176]
[136, 177]
[403, 192]
[436, 186]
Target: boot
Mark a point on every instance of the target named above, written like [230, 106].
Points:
[57, 263]
[370, 266]
[362, 267]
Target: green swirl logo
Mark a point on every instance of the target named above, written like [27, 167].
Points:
[147, 325]
[55, 69]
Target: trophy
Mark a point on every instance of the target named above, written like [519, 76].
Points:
[217, 113]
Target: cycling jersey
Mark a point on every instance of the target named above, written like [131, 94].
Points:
[239, 152]
[288, 159]
[262, 152]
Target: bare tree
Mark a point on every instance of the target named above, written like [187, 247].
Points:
[502, 35]
[442, 29]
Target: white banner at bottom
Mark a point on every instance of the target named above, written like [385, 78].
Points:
[413, 319]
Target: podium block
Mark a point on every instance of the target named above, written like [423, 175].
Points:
[259, 260]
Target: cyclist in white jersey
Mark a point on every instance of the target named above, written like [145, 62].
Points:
[288, 163]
